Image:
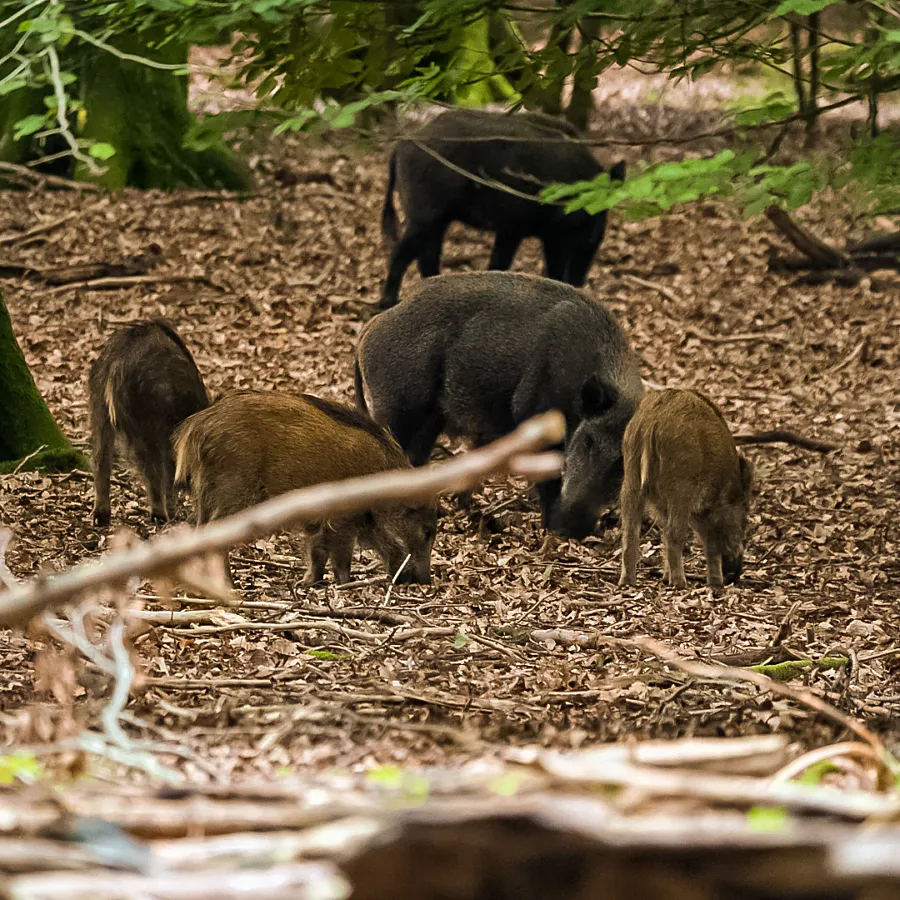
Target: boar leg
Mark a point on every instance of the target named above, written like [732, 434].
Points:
[713, 547]
[416, 431]
[339, 545]
[317, 555]
[155, 465]
[548, 494]
[556, 257]
[675, 534]
[430, 255]
[104, 446]
[504, 251]
[632, 514]
[414, 243]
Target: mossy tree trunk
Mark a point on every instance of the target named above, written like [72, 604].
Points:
[141, 111]
[27, 425]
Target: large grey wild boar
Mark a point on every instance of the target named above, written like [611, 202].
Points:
[253, 445]
[682, 460]
[476, 354]
[141, 386]
[524, 152]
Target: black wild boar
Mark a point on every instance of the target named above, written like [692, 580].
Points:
[525, 152]
[476, 354]
[681, 459]
[251, 445]
[143, 384]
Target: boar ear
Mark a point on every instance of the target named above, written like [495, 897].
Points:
[746, 474]
[596, 397]
[617, 172]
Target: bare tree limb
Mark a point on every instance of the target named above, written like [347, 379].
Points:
[165, 553]
[821, 254]
[47, 181]
[785, 437]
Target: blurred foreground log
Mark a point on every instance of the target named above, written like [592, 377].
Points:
[616, 822]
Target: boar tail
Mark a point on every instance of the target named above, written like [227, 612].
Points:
[388, 213]
[358, 388]
[186, 450]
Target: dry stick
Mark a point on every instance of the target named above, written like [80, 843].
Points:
[167, 551]
[821, 254]
[785, 437]
[126, 281]
[668, 293]
[858, 351]
[751, 337]
[48, 181]
[14, 238]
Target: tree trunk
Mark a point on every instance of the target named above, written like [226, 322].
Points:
[797, 64]
[140, 111]
[27, 423]
[812, 104]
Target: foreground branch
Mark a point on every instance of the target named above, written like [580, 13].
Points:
[166, 552]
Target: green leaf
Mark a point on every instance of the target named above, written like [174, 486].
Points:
[461, 641]
[7, 87]
[19, 767]
[767, 819]
[386, 776]
[102, 151]
[507, 784]
[802, 7]
[28, 125]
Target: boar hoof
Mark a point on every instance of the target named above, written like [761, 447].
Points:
[158, 518]
[678, 583]
[101, 517]
[312, 579]
[626, 581]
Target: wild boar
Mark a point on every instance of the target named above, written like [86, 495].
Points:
[143, 384]
[681, 459]
[252, 445]
[524, 152]
[475, 355]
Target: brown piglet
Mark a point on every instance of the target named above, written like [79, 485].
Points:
[144, 383]
[681, 459]
[252, 445]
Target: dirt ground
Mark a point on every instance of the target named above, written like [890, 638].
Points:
[270, 292]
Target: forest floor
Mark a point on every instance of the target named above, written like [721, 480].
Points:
[270, 292]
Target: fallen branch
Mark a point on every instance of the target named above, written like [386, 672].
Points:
[127, 281]
[758, 337]
[785, 437]
[668, 293]
[15, 237]
[817, 251]
[51, 182]
[860, 351]
[166, 552]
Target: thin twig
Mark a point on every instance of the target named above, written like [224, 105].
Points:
[779, 436]
[127, 281]
[757, 337]
[14, 238]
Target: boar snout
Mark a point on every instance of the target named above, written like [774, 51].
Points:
[574, 522]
